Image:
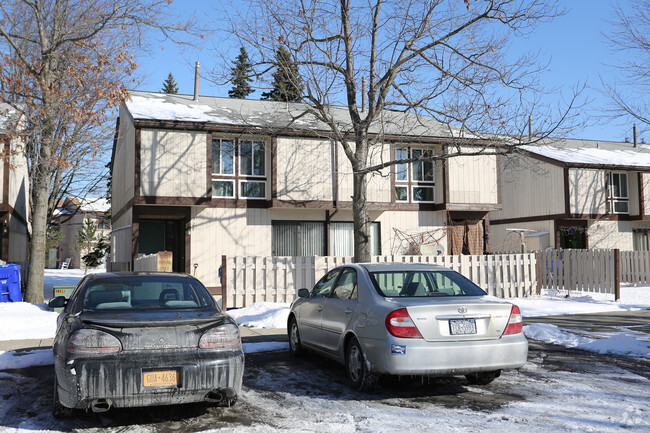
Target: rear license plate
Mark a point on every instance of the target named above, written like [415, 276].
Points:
[160, 378]
[462, 327]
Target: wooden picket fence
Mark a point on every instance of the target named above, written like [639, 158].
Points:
[595, 271]
[246, 280]
[635, 267]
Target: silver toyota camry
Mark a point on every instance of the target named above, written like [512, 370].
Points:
[409, 320]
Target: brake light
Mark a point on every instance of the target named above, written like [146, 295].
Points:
[515, 323]
[221, 337]
[400, 324]
[92, 341]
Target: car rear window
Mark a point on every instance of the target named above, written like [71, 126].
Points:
[423, 283]
[148, 292]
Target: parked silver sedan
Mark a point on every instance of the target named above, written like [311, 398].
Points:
[409, 320]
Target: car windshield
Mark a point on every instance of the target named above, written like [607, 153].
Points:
[423, 283]
[145, 292]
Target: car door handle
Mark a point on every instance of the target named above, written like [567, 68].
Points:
[348, 311]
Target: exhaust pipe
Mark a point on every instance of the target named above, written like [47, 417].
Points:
[214, 396]
[100, 405]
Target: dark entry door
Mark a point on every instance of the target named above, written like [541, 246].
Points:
[163, 235]
[573, 237]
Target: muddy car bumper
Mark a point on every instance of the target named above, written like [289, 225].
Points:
[119, 381]
[401, 356]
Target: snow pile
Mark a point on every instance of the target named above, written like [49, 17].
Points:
[24, 321]
[262, 315]
[626, 342]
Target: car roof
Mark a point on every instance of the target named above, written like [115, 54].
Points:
[111, 275]
[400, 266]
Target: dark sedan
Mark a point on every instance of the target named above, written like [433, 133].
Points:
[143, 339]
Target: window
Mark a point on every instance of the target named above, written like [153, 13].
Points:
[307, 238]
[618, 194]
[641, 239]
[346, 286]
[415, 181]
[324, 286]
[240, 164]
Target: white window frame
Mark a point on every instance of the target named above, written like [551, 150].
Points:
[410, 183]
[221, 140]
[615, 199]
[231, 181]
[252, 142]
[241, 189]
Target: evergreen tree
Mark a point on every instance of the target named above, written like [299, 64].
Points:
[169, 86]
[241, 76]
[287, 83]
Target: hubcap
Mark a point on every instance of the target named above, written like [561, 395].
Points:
[354, 363]
[294, 336]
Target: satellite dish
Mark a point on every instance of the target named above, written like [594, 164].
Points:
[432, 249]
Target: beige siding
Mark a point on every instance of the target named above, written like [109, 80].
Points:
[503, 240]
[219, 231]
[123, 164]
[173, 164]
[473, 179]
[420, 226]
[304, 169]
[121, 238]
[587, 191]
[610, 234]
[530, 187]
[379, 186]
[633, 192]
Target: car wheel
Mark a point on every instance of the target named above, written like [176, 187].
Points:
[295, 347]
[355, 364]
[58, 410]
[483, 377]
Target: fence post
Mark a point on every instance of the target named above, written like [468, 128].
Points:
[617, 274]
[538, 268]
[224, 282]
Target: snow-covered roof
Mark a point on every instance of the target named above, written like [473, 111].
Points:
[7, 114]
[259, 114]
[593, 152]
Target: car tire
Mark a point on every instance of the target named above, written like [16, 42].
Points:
[295, 345]
[483, 377]
[356, 367]
[58, 410]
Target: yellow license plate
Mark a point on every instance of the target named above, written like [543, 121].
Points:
[160, 378]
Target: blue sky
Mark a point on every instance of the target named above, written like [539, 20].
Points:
[574, 45]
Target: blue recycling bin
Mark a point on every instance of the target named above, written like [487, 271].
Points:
[10, 283]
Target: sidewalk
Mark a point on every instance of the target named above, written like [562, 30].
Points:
[248, 335]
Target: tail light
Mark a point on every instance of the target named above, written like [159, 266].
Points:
[92, 341]
[515, 323]
[400, 324]
[221, 337]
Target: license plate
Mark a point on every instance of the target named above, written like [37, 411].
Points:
[462, 327]
[160, 378]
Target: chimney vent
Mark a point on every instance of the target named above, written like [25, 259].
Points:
[197, 68]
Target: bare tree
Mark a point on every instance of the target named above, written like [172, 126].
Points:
[631, 37]
[443, 59]
[64, 66]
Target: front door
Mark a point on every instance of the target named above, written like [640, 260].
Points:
[163, 235]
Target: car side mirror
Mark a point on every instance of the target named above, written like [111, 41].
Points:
[303, 293]
[58, 302]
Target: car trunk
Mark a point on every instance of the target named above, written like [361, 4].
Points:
[459, 318]
[155, 330]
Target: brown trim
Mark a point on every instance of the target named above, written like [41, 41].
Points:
[499, 192]
[280, 131]
[445, 178]
[567, 192]
[529, 219]
[641, 196]
[188, 241]
[208, 138]
[6, 175]
[274, 168]
[137, 166]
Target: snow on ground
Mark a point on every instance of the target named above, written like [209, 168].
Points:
[20, 321]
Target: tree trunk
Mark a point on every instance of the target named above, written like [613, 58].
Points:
[361, 222]
[40, 196]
